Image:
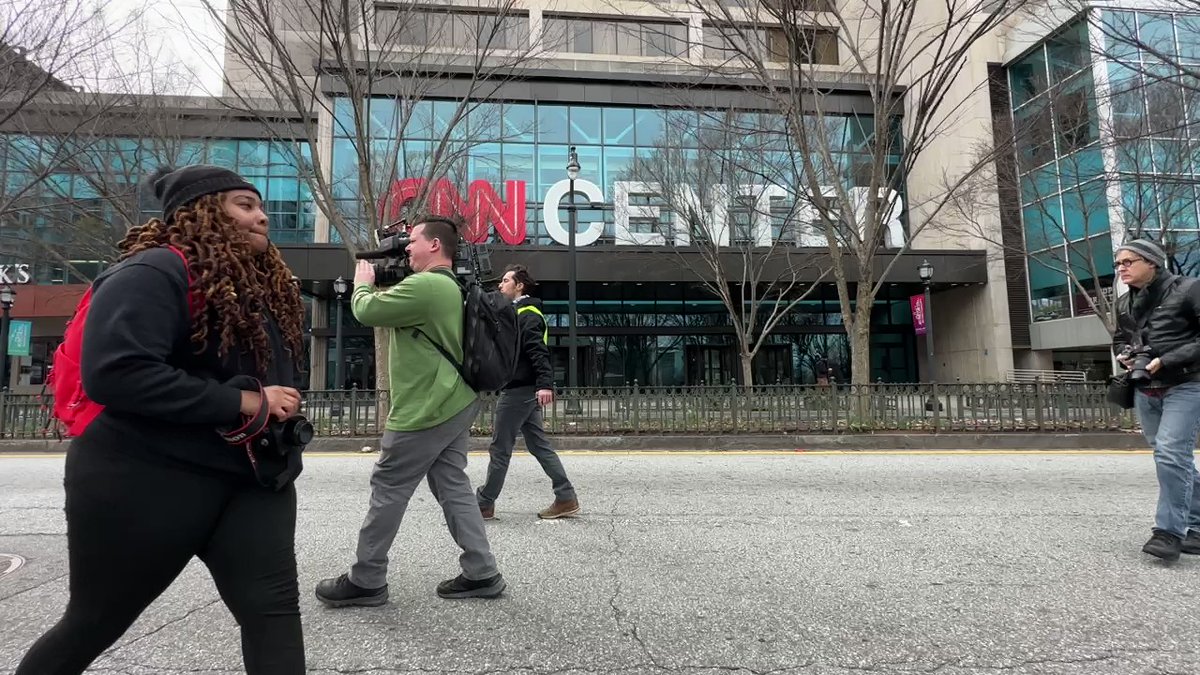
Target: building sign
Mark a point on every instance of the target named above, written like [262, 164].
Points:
[15, 274]
[20, 335]
[484, 211]
[918, 312]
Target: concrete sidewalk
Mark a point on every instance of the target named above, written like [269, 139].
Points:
[764, 442]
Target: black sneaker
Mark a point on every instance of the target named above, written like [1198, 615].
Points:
[462, 587]
[341, 592]
[1191, 545]
[1163, 545]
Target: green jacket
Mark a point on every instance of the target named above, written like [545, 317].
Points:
[426, 388]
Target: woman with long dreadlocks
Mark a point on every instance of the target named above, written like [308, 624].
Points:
[174, 352]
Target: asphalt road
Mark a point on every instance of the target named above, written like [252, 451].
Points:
[812, 564]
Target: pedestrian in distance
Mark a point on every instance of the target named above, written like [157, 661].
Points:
[428, 426]
[1158, 342]
[519, 407]
[177, 338]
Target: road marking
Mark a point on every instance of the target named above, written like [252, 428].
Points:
[712, 453]
[10, 563]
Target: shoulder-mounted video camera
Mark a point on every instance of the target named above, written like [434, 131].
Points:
[472, 261]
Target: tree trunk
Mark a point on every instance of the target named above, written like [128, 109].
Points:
[747, 372]
[383, 398]
[860, 338]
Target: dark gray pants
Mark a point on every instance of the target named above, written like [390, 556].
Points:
[518, 411]
[439, 454]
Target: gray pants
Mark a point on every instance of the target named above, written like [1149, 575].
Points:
[518, 410]
[439, 453]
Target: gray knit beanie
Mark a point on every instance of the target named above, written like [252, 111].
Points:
[1147, 249]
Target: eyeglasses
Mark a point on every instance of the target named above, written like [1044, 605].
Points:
[1126, 262]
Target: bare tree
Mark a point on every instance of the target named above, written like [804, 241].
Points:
[1159, 41]
[383, 74]
[791, 58]
[1054, 162]
[719, 210]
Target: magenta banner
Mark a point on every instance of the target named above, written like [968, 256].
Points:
[918, 312]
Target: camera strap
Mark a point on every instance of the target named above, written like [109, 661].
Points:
[252, 425]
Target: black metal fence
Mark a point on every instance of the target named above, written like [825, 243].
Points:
[1001, 407]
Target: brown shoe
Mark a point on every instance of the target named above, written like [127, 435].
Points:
[560, 509]
[488, 512]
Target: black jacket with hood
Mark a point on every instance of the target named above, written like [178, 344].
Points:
[533, 367]
[164, 402]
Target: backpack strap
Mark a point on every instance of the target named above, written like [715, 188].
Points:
[194, 296]
[418, 333]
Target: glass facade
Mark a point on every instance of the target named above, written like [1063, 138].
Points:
[1066, 207]
[654, 333]
[76, 197]
[529, 142]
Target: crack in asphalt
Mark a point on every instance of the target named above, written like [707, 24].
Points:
[35, 587]
[108, 653]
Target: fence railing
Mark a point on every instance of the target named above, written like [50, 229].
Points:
[783, 409]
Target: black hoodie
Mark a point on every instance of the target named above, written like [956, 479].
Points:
[533, 368]
[163, 401]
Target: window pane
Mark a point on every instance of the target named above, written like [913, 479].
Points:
[519, 165]
[519, 122]
[1048, 286]
[1068, 52]
[253, 158]
[618, 126]
[553, 125]
[1081, 166]
[1188, 28]
[1027, 77]
[1043, 224]
[585, 125]
[1157, 33]
[1040, 184]
[649, 127]
[1086, 210]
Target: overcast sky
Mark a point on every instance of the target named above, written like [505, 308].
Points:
[165, 21]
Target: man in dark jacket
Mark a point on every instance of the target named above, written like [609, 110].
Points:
[1159, 331]
[519, 406]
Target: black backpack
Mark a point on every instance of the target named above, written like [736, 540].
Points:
[491, 339]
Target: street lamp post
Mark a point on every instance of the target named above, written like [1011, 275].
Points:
[926, 273]
[7, 297]
[573, 405]
[339, 288]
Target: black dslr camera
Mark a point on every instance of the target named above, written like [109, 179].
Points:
[1140, 357]
[393, 245]
[290, 435]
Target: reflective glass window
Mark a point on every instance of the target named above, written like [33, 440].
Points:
[1157, 32]
[585, 125]
[553, 124]
[520, 122]
[1027, 78]
[1085, 210]
[618, 126]
[1043, 224]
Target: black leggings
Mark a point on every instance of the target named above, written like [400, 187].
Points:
[133, 525]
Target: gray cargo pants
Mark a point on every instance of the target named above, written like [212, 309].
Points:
[439, 454]
[517, 410]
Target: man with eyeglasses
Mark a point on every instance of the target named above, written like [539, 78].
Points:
[1158, 330]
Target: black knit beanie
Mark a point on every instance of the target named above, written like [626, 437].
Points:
[177, 187]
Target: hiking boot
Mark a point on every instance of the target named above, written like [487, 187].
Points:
[488, 512]
[560, 509]
[341, 592]
[1163, 545]
[1191, 545]
[461, 587]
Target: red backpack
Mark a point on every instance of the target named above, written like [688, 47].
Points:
[72, 407]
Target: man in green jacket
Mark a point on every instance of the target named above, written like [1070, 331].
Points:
[428, 426]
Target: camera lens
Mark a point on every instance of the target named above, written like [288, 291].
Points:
[298, 431]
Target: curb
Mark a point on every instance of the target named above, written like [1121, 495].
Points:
[739, 443]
